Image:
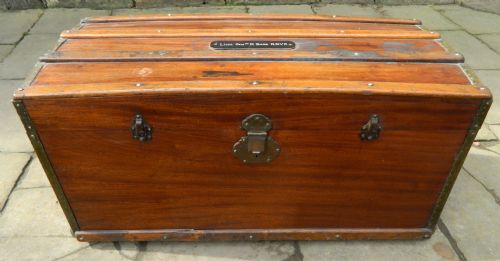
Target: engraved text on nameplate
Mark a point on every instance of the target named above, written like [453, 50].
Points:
[223, 45]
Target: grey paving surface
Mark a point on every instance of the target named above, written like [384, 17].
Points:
[172, 10]
[20, 62]
[12, 167]
[347, 10]
[280, 9]
[474, 22]
[13, 137]
[430, 18]
[477, 54]
[33, 227]
[54, 21]
[15, 24]
[5, 50]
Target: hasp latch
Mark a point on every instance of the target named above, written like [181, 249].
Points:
[257, 146]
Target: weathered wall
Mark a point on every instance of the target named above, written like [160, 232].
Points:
[492, 6]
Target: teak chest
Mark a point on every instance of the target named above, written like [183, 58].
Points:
[251, 127]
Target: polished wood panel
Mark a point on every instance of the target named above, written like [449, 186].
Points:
[187, 177]
[289, 86]
[198, 49]
[166, 32]
[232, 17]
[143, 72]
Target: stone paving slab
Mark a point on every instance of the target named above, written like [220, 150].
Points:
[477, 54]
[435, 248]
[33, 212]
[12, 167]
[35, 176]
[54, 21]
[492, 40]
[15, 24]
[485, 134]
[431, 19]
[348, 10]
[13, 138]
[472, 21]
[280, 9]
[213, 9]
[414, 2]
[485, 167]
[5, 50]
[493, 146]
[38, 248]
[258, 251]
[163, 3]
[473, 218]
[104, 251]
[90, 3]
[22, 59]
[491, 79]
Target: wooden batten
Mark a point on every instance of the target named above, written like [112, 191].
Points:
[232, 17]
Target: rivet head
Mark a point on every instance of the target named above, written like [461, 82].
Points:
[342, 31]
[165, 237]
[80, 238]
[20, 89]
[457, 54]
[427, 235]
[356, 54]
[371, 84]
[432, 32]
[255, 82]
[18, 105]
[249, 31]
[482, 88]
[337, 236]
[334, 16]
[138, 84]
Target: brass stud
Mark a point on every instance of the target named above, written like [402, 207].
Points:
[371, 84]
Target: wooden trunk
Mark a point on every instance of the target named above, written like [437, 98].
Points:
[359, 128]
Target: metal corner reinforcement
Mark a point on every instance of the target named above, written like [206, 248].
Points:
[47, 166]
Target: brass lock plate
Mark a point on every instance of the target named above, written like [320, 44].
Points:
[257, 146]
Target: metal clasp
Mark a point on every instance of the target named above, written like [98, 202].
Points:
[257, 146]
[371, 130]
[141, 130]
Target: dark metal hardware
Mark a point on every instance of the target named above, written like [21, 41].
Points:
[257, 146]
[371, 130]
[141, 130]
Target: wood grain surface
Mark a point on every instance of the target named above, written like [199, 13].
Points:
[198, 49]
[187, 177]
[232, 17]
[142, 72]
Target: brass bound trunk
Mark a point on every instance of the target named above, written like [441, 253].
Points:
[251, 127]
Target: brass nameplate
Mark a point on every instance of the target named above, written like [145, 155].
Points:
[229, 45]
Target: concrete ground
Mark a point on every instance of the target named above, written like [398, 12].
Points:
[33, 227]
